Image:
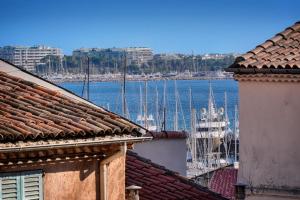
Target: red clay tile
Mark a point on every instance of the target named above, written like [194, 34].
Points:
[274, 53]
[163, 183]
[223, 181]
[30, 111]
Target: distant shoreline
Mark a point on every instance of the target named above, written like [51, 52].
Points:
[110, 79]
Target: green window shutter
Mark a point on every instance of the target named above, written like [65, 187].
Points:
[32, 186]
[9, 188]
[21, 186]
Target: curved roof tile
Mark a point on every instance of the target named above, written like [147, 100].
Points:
[29, 111]
[281, 51]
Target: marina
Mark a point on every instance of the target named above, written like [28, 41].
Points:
[198, 107]
[109, 96]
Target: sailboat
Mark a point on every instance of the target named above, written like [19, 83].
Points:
[143, 118]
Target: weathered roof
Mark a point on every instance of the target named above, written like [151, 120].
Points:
[29, 111]
[159, 183]
[280, 54]
[167, 135]
[223, 182]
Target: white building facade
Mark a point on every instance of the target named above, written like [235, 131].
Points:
[28, 57]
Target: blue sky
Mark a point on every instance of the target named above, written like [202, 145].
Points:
[164, 25]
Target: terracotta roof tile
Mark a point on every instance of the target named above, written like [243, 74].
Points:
[223, 182]
[31, 112]
[167, 134]
[157, 182]
[280, 53]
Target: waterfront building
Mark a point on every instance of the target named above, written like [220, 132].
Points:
[56, 145]
[269, 87]
[213, 56]
[28, 57]
[85, 51]
[138, 55]
[165, 56]
[134, 55]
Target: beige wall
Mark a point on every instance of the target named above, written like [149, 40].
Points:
[116, 179]
[78, 179]
[270, 134]
[74, 180]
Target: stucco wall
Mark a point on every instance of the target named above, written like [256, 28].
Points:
[261, 197]
[74, 180]
[170, 153]
[269, 134]
[116, 179]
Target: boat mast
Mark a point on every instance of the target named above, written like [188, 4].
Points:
[226, 127]
[193, 136]
[124, 111]
[190, 98]
[141, 102]
[164, 106]
[156, 107]
[235, 133]
[176, 107]
[88, 78]
[210, 107]
[145, 107]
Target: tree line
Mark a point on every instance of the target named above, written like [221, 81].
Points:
[101, 64]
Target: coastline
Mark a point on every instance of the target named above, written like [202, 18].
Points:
[119, 77]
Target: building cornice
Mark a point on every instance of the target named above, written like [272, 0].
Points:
[267, 77]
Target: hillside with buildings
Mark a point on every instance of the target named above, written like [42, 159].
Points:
[44, 60]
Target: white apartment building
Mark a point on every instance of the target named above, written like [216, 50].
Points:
[28, 57]
[138, 55]
[134, 55]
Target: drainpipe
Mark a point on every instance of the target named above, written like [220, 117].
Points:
[103, 170]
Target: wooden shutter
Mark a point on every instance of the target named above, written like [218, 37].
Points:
[32, 186]
[21, 186]
[9, 188]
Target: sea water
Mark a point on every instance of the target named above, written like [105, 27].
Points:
[109, 96]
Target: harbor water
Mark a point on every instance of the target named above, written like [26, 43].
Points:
[108, 95]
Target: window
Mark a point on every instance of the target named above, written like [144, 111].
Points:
[21, 186]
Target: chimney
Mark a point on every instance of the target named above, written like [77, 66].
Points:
[132, 192]
[240, 191]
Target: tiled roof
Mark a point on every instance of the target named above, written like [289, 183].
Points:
[223, 181]
[167, 134]
[280, 54]
[29, 111]
[159, 183]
